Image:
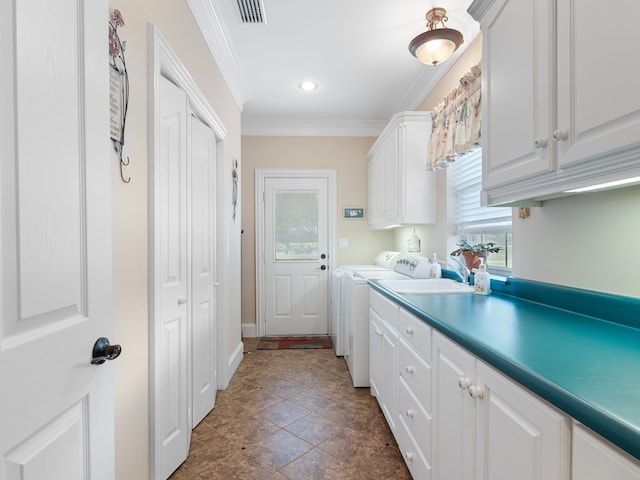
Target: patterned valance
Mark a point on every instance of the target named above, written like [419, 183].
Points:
[456, 122]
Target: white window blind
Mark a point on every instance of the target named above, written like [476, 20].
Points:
[465, 183]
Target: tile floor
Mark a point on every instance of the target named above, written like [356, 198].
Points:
[293, 414]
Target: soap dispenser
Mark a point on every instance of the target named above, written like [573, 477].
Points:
[482, 281]
[435, 270]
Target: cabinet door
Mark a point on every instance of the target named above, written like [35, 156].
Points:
[454, 415]
[389, 180]
[389, 376]
[595, 459]
[375, 352]
[518, 435]
[598, 103]
[516, 90]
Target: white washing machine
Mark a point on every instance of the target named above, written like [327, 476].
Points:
[384, 262]
[355, 310]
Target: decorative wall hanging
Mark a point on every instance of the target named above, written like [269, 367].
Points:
[234, 194]
[118, 89]
[353, 213]
[413, 244]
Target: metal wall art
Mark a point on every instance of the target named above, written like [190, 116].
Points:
[234, 193]
[118, 89]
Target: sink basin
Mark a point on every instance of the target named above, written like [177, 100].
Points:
[426, 285]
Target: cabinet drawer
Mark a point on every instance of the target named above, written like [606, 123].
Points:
[386, 309]
[416, 373]
[415, 418]
[418, 465]
[416, 332]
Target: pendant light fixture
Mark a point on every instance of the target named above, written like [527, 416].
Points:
[436, 44]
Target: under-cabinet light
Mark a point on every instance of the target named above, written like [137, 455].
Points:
[602, 186]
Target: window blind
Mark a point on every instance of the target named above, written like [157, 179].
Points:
[465, 182]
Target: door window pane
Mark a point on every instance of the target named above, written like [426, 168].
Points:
[296, 226]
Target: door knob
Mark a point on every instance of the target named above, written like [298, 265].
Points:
[103, 351]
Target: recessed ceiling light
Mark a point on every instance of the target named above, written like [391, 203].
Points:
[308, 86]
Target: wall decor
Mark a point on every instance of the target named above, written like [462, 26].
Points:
[234, 194]
[118, 89]
[413, 244]
[353, 213]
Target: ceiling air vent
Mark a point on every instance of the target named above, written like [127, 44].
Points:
[251, 11]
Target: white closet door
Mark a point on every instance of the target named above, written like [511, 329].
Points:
[172, 426]
[203, 270]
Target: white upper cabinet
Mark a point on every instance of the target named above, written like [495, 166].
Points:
[560, 110]
[401, 190]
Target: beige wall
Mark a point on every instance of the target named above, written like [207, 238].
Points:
[130, 289]
[347, 155]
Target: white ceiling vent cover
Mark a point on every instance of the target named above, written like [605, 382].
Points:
[251, 11]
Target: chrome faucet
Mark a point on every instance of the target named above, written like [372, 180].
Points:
[466, 273]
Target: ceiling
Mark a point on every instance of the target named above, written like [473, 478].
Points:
[355, 50]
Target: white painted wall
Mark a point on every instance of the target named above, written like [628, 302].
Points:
[587, 241]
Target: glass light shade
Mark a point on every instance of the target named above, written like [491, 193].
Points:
[435, 46]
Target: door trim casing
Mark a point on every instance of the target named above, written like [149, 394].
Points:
[260, 176]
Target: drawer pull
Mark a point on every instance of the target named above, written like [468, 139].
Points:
[476, 391]
[540, 142]
[464, 383]
[409, 413]
[409, 456]
[409, 369]
[560, 135]
[410, 330]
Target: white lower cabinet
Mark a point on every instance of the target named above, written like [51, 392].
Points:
[383, 340]
[593, 458]
[400, 378]
[486, 427]
[456, 418]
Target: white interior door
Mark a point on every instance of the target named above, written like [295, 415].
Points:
[203, 270]
[296, 245]
[171, 427]
[56, 408]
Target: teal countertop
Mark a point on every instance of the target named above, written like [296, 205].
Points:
[589, 367]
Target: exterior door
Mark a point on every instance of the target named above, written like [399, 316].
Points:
[296, 256]
[56, 408]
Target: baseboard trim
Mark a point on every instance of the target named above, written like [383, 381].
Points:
[249, 330]
[234, 362]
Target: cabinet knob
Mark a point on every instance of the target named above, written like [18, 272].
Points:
[464, 383]
[540, 142]
[409, 456]
[182, 301]
[410, 330]
[476, 391]
[409, 413]
[560, 135]
[409, 369]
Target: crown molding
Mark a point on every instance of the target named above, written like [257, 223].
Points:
[216, 36]
[315, 128]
